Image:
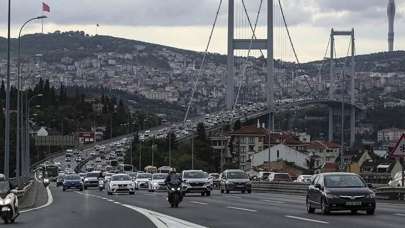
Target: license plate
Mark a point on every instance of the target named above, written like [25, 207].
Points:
[240, 186]
[353, 203]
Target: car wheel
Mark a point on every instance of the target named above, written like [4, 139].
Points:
[81, 189]
[243, 191]
[208, 193]
[227, 191]
[109, 193]
[249, 191]
[64, 189]
[324, 207]
[353, 212]
[222, 191]
[85, 187]
[172, 205]
[371, 211]
[202, 193]
[12, 220]
[310, 209]
[131, 193]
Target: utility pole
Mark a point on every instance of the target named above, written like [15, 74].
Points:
[170, 149]
[7, 114]
[192, 152]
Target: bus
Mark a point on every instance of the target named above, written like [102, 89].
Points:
[51, 171]
[150, 169]
[124, 168]
[165, 169]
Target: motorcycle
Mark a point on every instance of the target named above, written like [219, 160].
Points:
[8, 203]
[175, 195]
[100, 184]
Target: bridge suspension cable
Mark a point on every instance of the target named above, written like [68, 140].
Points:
[244, 66]
[197, 78]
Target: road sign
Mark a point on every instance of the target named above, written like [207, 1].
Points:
[399, 149]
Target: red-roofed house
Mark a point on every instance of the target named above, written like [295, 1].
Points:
[326, 152]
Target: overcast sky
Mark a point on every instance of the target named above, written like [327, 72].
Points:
[186, 23]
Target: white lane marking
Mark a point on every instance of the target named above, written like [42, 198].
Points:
[242, 209]
[306, 219]
[398, 214]
[162, 220]
[196, 202]
[49, 202]
[274, 201]
[236, 197]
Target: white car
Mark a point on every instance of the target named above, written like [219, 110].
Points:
[396, 182]
[142, 180]
[120, 183]
[305, 179]
[196, 181]
[158, 182]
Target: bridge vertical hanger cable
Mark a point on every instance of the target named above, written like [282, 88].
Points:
[202, 63]
[244, 67]
[292, 44]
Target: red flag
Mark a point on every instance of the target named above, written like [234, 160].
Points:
[45, 7]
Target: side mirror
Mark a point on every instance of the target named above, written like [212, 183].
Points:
[370, 185]
[318, 186]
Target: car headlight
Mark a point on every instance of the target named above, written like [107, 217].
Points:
[371, 195]
[155, 184]
[331, 196]
[114, 185]
[178, 189]
[172, 189]
[228, 182]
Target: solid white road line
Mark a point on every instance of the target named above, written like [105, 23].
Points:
[398, 214]
[49, 202]
[306, 219]
[242, 209]
[196, 202]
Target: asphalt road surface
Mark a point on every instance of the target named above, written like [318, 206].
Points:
[93, 208]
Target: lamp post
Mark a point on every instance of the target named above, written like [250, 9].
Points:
[19, 103]
[7, 114]
[27, 156]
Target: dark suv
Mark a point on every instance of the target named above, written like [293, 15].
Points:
[340, 191]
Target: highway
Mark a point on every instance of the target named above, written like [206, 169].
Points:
[93, 208]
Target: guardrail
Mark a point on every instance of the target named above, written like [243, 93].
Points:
[384, 193]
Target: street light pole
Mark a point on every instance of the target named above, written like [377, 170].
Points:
[7, 114]
[19, 102]
[27, 156]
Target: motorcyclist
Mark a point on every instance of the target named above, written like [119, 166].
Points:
[173, 179]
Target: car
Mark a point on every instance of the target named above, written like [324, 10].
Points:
[91, 179]
[158, 182]
[396, 182]
[142, 180]
[72, 181]
[235, 180]
[120, 183]
[340, 191]
[279, 177]
[305, 179]
[264, 175]
[214, 177]
[196, 181]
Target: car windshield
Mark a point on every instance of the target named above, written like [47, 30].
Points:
[72, 177]
[120, 178]
[144, 176]
[92, 175]
[159, 176]
[195, 174]
[237, 175]
[281, 176]
[132, 174]
[4, 187]
[344, 181]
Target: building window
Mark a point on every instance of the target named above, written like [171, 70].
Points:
[251, 140]
[278, 154]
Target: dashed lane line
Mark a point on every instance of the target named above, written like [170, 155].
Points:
[241, 209]
[306, 219]
[197, 202]
[398, 214]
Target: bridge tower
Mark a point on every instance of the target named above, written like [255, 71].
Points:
[245, 44]
[332, 86]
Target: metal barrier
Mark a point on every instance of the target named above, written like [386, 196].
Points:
[384, 193]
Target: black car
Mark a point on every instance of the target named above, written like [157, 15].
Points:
[340, 191]
[72, 182]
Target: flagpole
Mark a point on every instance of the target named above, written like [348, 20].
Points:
[42, 21]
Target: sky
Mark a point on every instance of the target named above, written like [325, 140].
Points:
[186, 23]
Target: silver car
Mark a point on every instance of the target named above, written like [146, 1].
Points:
[158, 182]
[196, 181]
